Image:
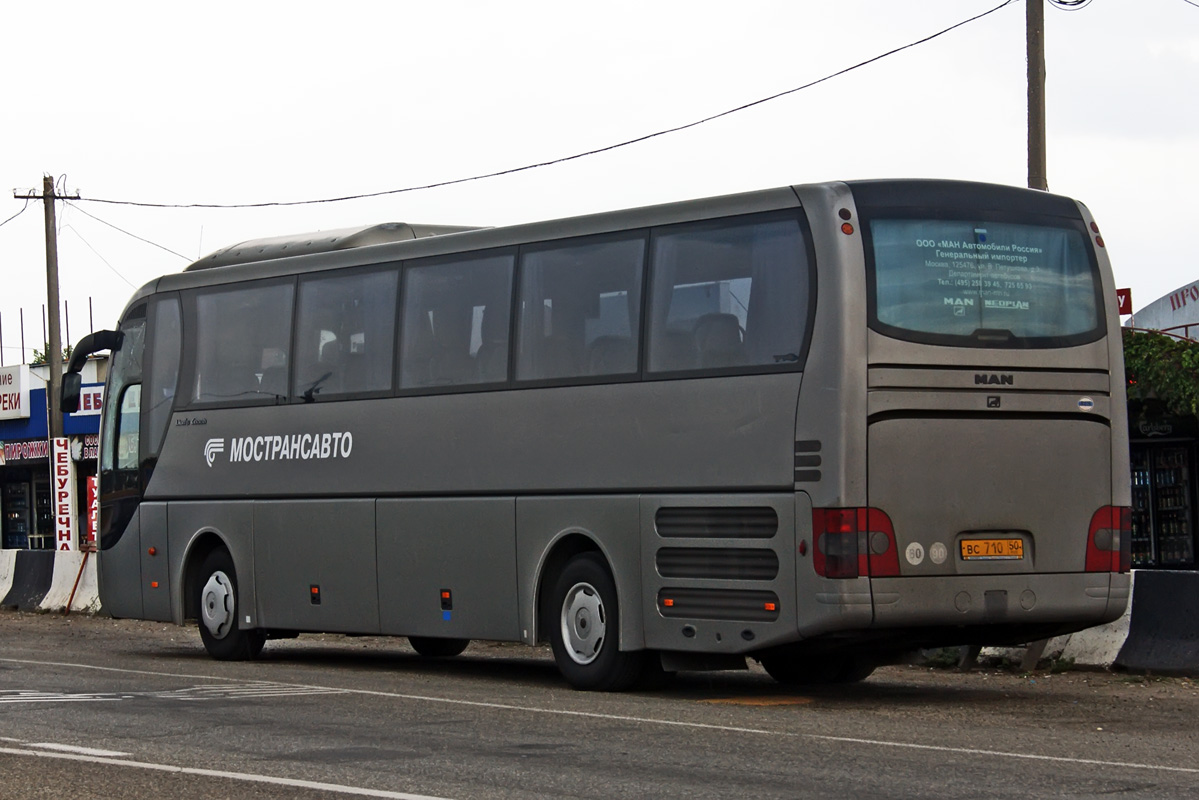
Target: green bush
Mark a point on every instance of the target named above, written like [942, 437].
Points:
[1162, 367]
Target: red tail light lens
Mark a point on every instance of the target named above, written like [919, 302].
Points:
[853, 542]
[1109, 540]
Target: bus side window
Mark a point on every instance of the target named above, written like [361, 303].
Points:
[345, 334]
[164, 371]
[242, 341]
[124, 382]
[728, 295]
[456, 321]
[580, 309]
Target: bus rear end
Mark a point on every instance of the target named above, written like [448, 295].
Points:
[996, 434]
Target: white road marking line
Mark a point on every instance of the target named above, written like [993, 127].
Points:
[83, 751]
[247, 691]
[664, 722]
[19, 696]
[999, 753]
[237, 776]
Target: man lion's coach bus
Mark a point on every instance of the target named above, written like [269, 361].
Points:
[816, 426]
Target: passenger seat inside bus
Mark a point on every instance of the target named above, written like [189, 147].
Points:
[328, 377]
[718, 339]
[611, 355]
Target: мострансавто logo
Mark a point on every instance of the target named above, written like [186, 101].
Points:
[296, 447]
[211, 449]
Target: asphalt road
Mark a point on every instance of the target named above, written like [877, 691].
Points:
[97, 708]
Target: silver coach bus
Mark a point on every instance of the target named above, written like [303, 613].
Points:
[817, 426]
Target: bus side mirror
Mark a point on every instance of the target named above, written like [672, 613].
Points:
[72, 384]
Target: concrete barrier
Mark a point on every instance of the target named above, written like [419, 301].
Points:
[1163, 632]
[30, 574]
[1098, 646]
[8, 565]
[74, 573]
[42, 580]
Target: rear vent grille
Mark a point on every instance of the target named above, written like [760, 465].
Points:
[724, 604]
[717, 523]
[721, 563]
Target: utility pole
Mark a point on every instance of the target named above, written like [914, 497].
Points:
[1035, 34]
[54, 345]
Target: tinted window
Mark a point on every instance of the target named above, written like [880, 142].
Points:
[242, 337]
[345, 334]
[580, 307]
[728, 295]
[164, 376]
[126, 372]
[128, 426]
[979, 282]
[456, 316]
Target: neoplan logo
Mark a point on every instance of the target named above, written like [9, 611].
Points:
[211, 449]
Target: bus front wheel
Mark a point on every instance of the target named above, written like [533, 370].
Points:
[217, 604]
[585, 635]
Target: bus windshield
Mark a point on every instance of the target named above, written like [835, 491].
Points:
[983, 283]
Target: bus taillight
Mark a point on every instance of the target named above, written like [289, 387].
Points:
[853, 542]
[1109, 540]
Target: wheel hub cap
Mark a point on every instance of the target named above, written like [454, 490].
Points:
[583, 623]
[216, 605]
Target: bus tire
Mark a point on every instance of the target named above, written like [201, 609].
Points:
[435, 647]
[217, 603]
[816, 670]
[585, 634]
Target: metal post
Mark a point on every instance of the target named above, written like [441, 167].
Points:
[1035, 24]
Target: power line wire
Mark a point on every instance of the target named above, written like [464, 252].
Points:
[14, 216]
[563, 159]
[72, 229]
[127, 233]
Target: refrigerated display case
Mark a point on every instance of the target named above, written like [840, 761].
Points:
[42, 535]
[17, 515]
[1163, 532]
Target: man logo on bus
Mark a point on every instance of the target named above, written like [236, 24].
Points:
[211, 449]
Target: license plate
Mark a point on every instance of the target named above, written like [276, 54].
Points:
[992, 549]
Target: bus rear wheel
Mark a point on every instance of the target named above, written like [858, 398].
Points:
[433, 647]
[217, 604]
[585, 634]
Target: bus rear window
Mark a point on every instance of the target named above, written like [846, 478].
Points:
[982, 283]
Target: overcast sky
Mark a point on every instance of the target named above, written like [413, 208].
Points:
[248, 102]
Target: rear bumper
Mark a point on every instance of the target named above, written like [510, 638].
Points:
[1071, 599]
